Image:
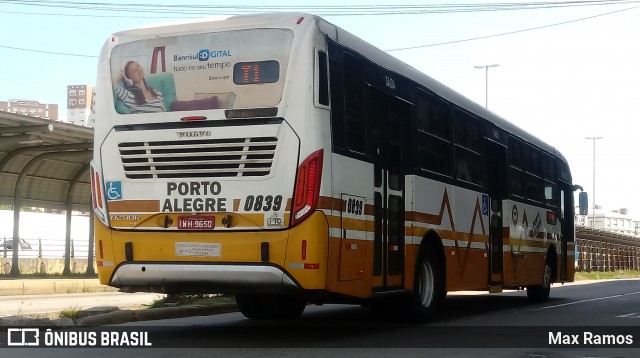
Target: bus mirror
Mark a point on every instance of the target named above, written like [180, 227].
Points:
[583, 200]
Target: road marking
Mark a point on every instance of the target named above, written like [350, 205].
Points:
[632, 315]
[589, 300]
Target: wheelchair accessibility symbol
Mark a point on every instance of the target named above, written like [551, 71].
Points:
[114, 190]
[485, 204]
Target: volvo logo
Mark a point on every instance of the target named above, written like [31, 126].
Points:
[194, 134]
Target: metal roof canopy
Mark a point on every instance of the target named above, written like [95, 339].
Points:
[606, 237]
[45, 164]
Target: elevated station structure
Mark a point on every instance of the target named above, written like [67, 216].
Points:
[44, 164]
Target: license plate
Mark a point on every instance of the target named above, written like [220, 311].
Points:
[193, 222]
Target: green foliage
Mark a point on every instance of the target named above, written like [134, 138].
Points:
[191, 300]
[71, 313]
[608, 275]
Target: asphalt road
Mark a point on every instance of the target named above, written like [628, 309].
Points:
[502, 325]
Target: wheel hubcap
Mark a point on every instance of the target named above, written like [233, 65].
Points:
[547, 276]
[426, 287]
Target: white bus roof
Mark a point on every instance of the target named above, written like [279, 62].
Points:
[343, 37]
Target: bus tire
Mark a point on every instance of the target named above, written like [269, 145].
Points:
[251, 306]
[540, 293]
[279, 307]
[428, 291]
[283, 307]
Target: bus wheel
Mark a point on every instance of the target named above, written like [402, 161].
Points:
[540, 293]
[285, 307]
[270, 306]
[428, 290]
[251, 306]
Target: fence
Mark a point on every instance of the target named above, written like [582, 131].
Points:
[44, 248]
[44, 256]
[601, 250]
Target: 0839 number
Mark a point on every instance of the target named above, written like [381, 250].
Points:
[263, 203]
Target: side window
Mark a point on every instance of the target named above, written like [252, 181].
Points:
[562, 204]
[515, 167]
[532, 177]
[468, 159]
[435, 150]
[338, 135]
[548, 177]
[354, 104]
[323, 79]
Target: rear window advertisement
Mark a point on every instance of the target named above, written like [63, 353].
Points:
[237, 69]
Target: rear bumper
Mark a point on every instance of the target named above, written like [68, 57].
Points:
[150, 261]
[209, 277]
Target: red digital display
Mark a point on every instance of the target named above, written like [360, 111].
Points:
[248, 73]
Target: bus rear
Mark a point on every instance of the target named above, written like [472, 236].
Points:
[200, 180]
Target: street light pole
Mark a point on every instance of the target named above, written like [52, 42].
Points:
[486, 82]
[593, 196]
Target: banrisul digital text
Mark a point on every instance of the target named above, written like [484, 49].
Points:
[202, 55]
[194, 196]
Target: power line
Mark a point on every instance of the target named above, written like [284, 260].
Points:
[323, 10]
[389, 50]
[48, 52]
[96, 15]
[510, 32]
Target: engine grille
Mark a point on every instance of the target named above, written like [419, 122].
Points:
[229, 157]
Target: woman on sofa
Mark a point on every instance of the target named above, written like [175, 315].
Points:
[136, 93]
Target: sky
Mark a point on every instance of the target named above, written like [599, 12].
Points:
[565, 72]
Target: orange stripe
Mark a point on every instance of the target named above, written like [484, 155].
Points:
[354, 224]
[325, 202]
[423, 218]
[134, 206]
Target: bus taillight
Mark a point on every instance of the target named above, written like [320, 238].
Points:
[97, 188]
[93, 189]
[307, 187]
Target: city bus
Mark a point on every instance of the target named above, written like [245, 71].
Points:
[283, 160]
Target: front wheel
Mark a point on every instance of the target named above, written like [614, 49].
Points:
[429, 291]
[540, 293]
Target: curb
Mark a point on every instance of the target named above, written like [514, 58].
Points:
[126, 316]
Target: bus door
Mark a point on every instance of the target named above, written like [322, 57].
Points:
[388, 118]
[566, 226]
[497, 186]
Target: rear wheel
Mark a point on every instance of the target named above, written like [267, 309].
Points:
[250, 306]
[540, 293]
[270, 306]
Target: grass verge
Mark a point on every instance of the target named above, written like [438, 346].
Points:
[71, 313]
[609, 275]
[191, 300]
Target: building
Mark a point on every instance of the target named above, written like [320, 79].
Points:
[31, 108]
[80, 104]
[618, 221]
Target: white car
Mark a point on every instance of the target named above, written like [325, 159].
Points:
[7, 245]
